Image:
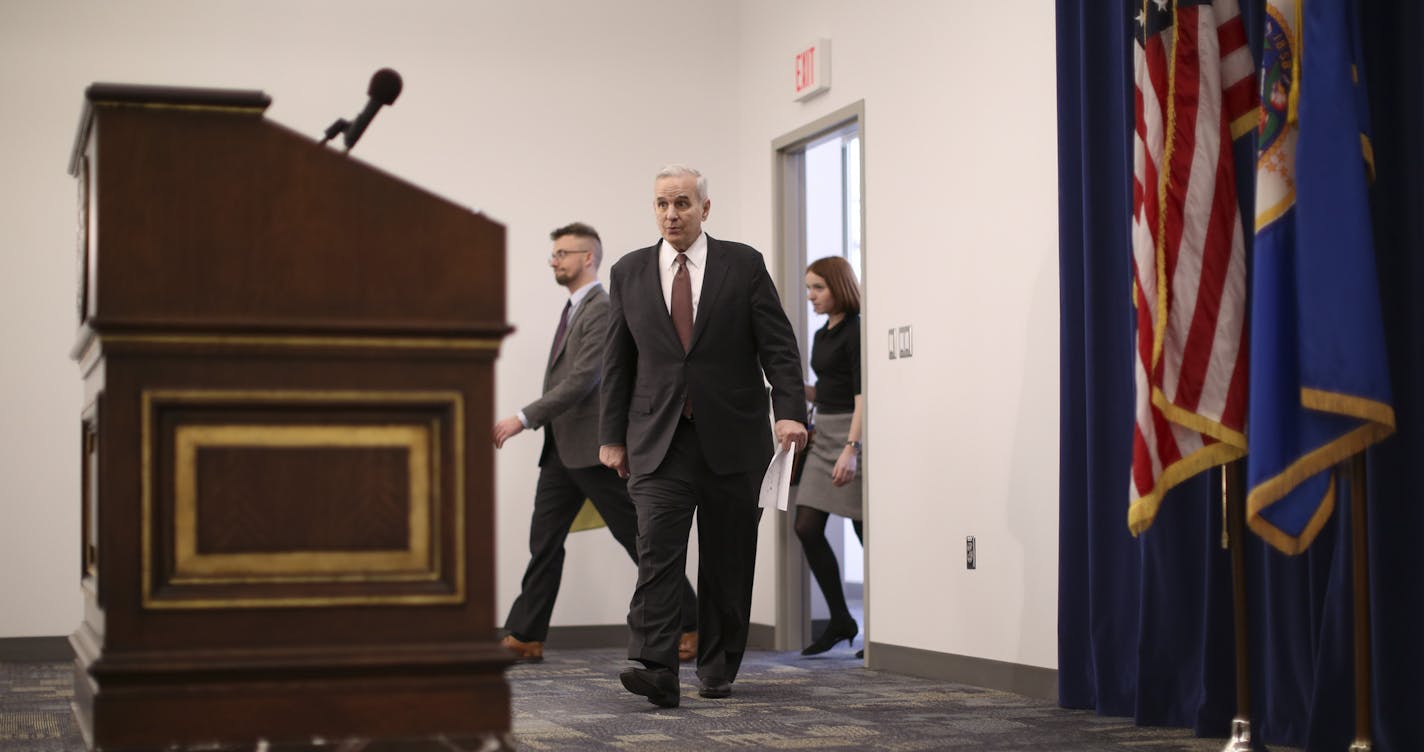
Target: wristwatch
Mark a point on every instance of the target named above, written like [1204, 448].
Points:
[854, 445]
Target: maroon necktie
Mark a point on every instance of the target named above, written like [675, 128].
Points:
[560, 333]
[682, 314]
[682, 302]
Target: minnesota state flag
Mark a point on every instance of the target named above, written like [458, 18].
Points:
[1319, 377]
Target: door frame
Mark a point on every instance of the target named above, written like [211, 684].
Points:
[793, 582]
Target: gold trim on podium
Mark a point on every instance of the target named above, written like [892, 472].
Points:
[284, 340]
[191, 566]
[87, 350]
[225, 109]
[421, 561]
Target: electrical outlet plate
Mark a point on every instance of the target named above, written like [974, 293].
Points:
[907, 342]
[970, 554]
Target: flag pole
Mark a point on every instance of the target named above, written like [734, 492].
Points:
[1233, 503]
[1360, 545]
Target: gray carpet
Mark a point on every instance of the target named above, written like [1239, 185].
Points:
[573, 701]
[34, 708]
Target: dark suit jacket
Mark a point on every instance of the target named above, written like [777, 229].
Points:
[569, 408]
[740, 331]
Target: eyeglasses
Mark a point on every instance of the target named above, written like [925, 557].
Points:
[562, 254]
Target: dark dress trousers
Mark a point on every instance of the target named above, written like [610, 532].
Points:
[569, 472]
[710, 465]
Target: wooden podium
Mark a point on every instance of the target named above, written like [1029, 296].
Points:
[288, 527]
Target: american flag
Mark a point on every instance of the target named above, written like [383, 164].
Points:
[1195, 93]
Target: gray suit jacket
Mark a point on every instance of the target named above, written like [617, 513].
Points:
[569, 407]
[740, 333]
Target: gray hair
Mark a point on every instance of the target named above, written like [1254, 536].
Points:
[679, 171]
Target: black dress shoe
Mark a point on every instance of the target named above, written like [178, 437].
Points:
[715, 689]
[835, 632]
[658, 685]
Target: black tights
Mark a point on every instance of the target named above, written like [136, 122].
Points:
[811, 529]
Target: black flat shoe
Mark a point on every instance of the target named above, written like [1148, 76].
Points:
[715, 689]
[835, 632]
[658, 685]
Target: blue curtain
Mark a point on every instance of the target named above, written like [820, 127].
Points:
[1145, 624]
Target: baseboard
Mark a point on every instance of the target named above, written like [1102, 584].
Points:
[588, 636]
[49, 649]
[760, 637]
[1030, 681]
[35, 650]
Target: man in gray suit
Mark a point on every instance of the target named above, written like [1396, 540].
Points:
[569, 470]
[694, 323]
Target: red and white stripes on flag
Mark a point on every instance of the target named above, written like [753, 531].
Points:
[1195, 93]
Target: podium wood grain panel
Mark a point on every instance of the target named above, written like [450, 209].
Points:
[246, 507]
[272, 214]
[244, 498]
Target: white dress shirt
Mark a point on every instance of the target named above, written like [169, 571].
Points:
[578, 296]
[696, 265]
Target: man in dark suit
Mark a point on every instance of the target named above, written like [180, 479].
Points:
[569, 470]
[694, 322]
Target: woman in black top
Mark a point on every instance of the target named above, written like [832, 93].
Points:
[830, 481]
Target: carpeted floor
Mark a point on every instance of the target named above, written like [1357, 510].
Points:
[34, 708]
[573, 701]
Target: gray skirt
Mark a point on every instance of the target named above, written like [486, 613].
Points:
[815, 490]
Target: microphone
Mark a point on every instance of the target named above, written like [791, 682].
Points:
[335, 129]
[385, 87]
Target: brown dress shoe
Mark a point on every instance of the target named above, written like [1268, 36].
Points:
[687, 647]
[524, 652]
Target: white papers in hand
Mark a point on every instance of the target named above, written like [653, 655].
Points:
[776, 484]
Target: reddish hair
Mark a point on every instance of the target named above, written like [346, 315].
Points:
[840, 279]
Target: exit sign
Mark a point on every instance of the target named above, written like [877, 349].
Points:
[813, 70]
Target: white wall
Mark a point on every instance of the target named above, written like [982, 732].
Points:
[540, 112]
[960, 243]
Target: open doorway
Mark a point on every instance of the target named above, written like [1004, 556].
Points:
[819, 213]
